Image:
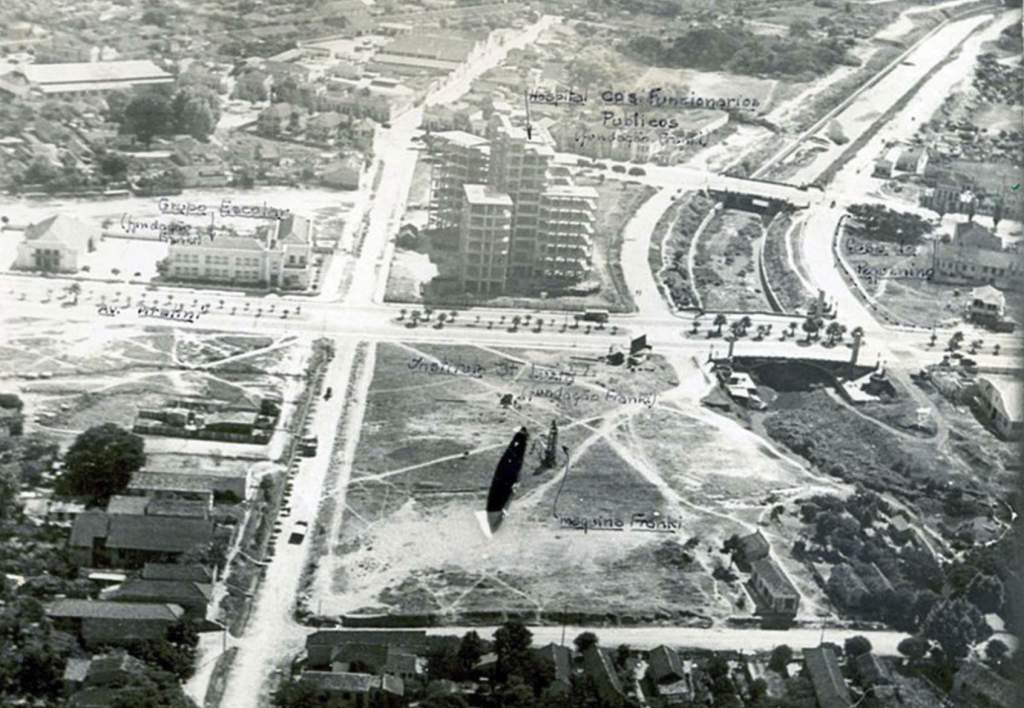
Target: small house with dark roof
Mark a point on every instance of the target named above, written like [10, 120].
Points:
[321, 645]
[99, 539]
[112, 668]
[377, 659]
[100, 622]
[827, 678]
[345, 173]
[598, 665]
[192, 572]
[279, 117]
[976, 684]
[561, 658]
[773, 589]
[357, 689]
[193, 597]
[56, 244]
[664, 665]
[752, 547]
[325, 127]
[871, 670]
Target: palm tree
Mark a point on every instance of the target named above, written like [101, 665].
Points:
[720, 321]
[75, 289]
[954, 341]
[501, 320]
[834, 331]
[792, 328]
[615, 330]
[441, 319]
[696, 326]
[745, 323]
[736, 328]
[427, 312]
[995, 350]
[811, 325]
[451, 315]
[515, 322]
[401, 314]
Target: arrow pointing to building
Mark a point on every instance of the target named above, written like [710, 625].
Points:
[529, 128]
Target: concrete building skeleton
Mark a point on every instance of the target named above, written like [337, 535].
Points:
[516, 225]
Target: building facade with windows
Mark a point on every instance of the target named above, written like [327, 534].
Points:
[976, 256]
[520, 220]
[275, 256]
[55, 245]
[484, 238]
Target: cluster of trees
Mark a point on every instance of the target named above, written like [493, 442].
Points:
[32, 653]
[739, 50]
[175, 654]
[99, 464]
[946, 608]
[192, 110]
[675, 275]
[65, 177]
[880, 223]
[251, 86]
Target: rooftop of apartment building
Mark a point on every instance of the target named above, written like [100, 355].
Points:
[482, 195]
[571, 191]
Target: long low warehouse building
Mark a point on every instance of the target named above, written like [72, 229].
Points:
[93, 77]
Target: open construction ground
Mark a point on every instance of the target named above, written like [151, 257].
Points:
[627, 525]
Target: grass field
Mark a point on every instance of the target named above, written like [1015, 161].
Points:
[411, 542]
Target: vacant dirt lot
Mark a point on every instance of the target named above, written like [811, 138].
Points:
[75, 376]
[641, 452]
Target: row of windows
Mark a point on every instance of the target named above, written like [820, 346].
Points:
[494, 260]
[953, 266]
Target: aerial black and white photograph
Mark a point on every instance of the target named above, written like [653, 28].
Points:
[511, 354]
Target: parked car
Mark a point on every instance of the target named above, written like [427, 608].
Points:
[298, 532]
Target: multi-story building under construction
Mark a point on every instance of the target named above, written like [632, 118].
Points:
[516, 228]
[463, 160]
